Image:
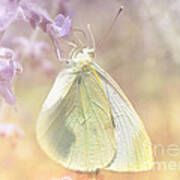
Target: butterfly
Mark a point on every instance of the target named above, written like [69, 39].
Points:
[87, 123]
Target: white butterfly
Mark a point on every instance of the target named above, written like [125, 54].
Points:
[87, 123]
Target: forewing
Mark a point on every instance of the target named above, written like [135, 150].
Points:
[60, 89]
[78, 132]
[134, 152]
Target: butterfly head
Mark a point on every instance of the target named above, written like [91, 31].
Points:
[82, 57]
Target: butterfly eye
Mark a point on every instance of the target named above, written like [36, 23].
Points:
[68, 62]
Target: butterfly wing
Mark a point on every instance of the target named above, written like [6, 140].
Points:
[76, 130]
[134, 152]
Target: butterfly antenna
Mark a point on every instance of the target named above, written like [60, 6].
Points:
[100, 43]
[71, 43]
[81, 31]
[91, 36]
[77, 30]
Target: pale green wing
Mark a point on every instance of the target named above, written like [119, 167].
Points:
[78, 131]
[60, 89]
[134, 152]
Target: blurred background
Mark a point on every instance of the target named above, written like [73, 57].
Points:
[142, 53]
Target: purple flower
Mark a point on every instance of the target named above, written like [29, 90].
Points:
[26, 11]
[63, 7]
[6, 76]
[30, 12]
[8, 13]
[8, 68]
[60, 27]
[35, 15]
[6, 53]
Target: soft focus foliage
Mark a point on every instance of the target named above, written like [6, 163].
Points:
[142, 54]
[36, 53]
[11, 132]
[71, 175]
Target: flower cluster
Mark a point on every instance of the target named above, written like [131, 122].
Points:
[8, 69]
[37, 17]
[60, 27]
[29, 12]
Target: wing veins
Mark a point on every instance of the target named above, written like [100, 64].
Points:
[123, 130]
[99, 105]
[96, 117]
[99, 122]
[85, 139]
